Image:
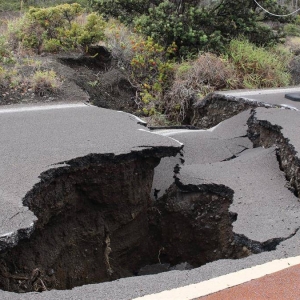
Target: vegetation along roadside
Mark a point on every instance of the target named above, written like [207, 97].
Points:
[172, 54]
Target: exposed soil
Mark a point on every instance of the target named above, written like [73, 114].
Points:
[263, 133]
[91, 77]
[94, 225]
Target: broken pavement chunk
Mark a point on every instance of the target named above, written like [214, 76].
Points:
[63, 167]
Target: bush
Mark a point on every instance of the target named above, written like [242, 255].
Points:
[9, 78]
[45, 82]
[196, 79]
[52, 45]
[151, 73]
[259, 67]
[93, 30]
[145, 62]
[292, 29]
[123, 10]
[192, 27]
[55, 28]
[5, 52]
[119, 40]
[15, 5]
[187, 30]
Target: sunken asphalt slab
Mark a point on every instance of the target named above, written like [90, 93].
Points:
[203, 146]
[266, 208]
[34, 139]
[230, 136]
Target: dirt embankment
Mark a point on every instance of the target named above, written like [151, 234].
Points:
[90, 77]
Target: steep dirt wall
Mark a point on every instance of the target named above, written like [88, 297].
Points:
[193, 224]
[216, 108]
[92, 226]
[263, 133]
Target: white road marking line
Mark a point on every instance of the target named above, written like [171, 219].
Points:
[153, 132]
[260, 92]
[223, 282]
[41, 107]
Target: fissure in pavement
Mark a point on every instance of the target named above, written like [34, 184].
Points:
[96, 223]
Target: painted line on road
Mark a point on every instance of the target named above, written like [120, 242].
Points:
[153, 132]
[259, 92]
[41, 107]
[217, 284]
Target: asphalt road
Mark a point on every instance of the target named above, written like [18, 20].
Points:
[270, 96]
[34, 139]
[266, 208]
[223, 155]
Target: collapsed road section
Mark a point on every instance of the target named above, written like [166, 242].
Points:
[281, 128]
[222, 105]
[264, 211]
[75, 190]
[87, 217]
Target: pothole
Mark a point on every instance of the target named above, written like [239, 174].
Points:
[96, 223]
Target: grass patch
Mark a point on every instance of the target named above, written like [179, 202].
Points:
[259, 67]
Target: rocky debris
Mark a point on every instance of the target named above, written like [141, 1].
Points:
[91, 224]
[154, 269]
[201, 228]
[159, 268]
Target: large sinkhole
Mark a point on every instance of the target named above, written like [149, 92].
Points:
[96, 223]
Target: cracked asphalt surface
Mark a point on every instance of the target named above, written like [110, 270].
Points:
[224, 155]
[34, 139]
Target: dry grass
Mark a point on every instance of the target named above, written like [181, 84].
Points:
[45, 82]
[293, 44]
[119, 41]
[196, 79]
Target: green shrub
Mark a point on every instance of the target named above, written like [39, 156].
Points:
[123, 10]
[52, 45]
[93, 30]
[192, 27]
[151, 72]
[120, 40]
[259, 67]
[45, 82]
[9, 78]
[187, 30]
[292, 29]
[15, 5]
[55, 28]
[4, 81]
[12, 5]
[24, 31]
[5, 52]
[145, 62]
